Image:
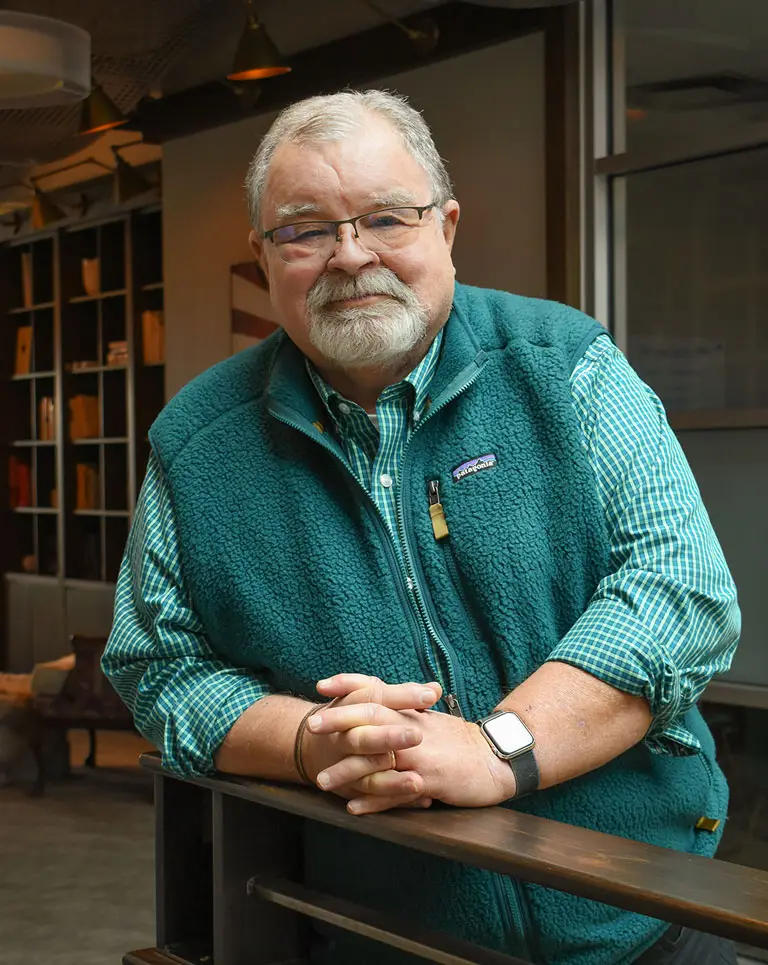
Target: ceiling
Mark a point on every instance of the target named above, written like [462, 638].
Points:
[155, 48]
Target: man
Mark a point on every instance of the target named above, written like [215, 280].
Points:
[436, 505]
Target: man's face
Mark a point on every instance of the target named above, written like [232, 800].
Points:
[318, 299]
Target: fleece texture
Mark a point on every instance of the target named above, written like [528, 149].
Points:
[295, 576]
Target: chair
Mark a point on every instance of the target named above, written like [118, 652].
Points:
[87, 701]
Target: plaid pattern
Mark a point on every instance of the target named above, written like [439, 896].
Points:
[660, 625]
[375, 448]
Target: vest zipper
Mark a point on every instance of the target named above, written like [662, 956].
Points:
[513, 911]
[430, 669]
[453, 684]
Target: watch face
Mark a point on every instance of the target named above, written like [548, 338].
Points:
[509, 734]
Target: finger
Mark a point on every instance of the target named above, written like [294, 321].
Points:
[343, 717]
[390, 784]
[352, 769]
[423, 802]
[378, 740]
[374, 804]
[363, 689]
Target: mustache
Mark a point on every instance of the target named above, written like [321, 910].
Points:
[377, 281]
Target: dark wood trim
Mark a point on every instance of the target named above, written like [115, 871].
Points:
[563, 154]
[684, 889]
[376, 925]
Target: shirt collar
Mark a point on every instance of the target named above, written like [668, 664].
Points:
[417, 382]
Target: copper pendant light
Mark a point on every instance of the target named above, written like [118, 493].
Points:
[257, 56]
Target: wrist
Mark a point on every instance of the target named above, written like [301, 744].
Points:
[302, 753]
[501, 773]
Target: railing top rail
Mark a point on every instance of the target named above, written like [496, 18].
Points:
[708, 894]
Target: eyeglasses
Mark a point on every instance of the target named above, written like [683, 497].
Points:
[382, 230]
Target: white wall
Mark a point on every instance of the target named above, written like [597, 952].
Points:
[487, 113]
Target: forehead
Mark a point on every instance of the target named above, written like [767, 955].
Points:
[332, 177]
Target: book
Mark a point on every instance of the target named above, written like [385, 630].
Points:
[88, 495]
[153, 337]
[46, 419]
[19, 483]
[84, 417]
[23, 350]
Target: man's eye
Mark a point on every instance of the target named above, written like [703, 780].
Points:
[386, 221]
[307, 234]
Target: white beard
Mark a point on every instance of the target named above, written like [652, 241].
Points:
[381, 334]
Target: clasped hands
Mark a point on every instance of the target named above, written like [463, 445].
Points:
[381, 746]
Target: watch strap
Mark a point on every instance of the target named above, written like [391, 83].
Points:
[526, 772]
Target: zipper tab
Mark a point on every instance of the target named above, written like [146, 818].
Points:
[436, 511]
[454, 708]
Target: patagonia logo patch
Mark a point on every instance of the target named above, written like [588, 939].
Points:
[473, 466]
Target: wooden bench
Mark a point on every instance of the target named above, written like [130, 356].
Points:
[228, 886]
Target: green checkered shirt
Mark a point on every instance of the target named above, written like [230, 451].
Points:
[159, 646]
[375, 447]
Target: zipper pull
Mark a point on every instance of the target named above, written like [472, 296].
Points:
[454, 708]
[436, 511]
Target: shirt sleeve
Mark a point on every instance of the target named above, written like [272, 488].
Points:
[665, 619]
[183, 698]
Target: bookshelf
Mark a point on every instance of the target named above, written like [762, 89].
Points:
[82, 378]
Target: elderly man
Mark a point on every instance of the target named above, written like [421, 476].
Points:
[456, 512]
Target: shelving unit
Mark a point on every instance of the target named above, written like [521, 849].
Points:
[66, 519]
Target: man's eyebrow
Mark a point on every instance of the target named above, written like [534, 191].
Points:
[283, 212]
[391, 199]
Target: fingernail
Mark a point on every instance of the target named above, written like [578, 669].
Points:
[411, 736]
[355, 807]
[412, 787]
[323, 780]
[315, 721]
[323, 683]
[427, 697]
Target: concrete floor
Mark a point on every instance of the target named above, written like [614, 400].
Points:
[77, 865]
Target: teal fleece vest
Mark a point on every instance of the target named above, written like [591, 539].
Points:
[291, 568]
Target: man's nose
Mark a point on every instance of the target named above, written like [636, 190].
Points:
[350, 254]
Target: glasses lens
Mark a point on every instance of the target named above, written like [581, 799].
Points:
[296, 241]
[392, 228]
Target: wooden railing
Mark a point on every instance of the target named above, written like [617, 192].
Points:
[229, 891]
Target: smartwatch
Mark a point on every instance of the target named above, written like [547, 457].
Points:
[511, 740]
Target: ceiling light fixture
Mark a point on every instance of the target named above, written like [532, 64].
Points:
[15, 196]
[43, 62]
[99, 112]
[257, 56]
[424, 38]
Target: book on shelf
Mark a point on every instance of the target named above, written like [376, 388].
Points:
[88, 491]
[46, 419]
[117, 353]
[153, 337]
[26, 279]
[23, 350]
[19, 483]
[84, 417]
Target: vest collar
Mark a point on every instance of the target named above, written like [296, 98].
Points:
[290, 387]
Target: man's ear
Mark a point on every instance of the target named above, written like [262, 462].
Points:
[256, 244]
[451, 212]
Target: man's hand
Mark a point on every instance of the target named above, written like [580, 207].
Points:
[451, 762]
[369, 745]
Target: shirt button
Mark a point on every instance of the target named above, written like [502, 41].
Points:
[386, 480]
[344, 409]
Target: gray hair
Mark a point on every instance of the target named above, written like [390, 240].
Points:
[330, 117]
